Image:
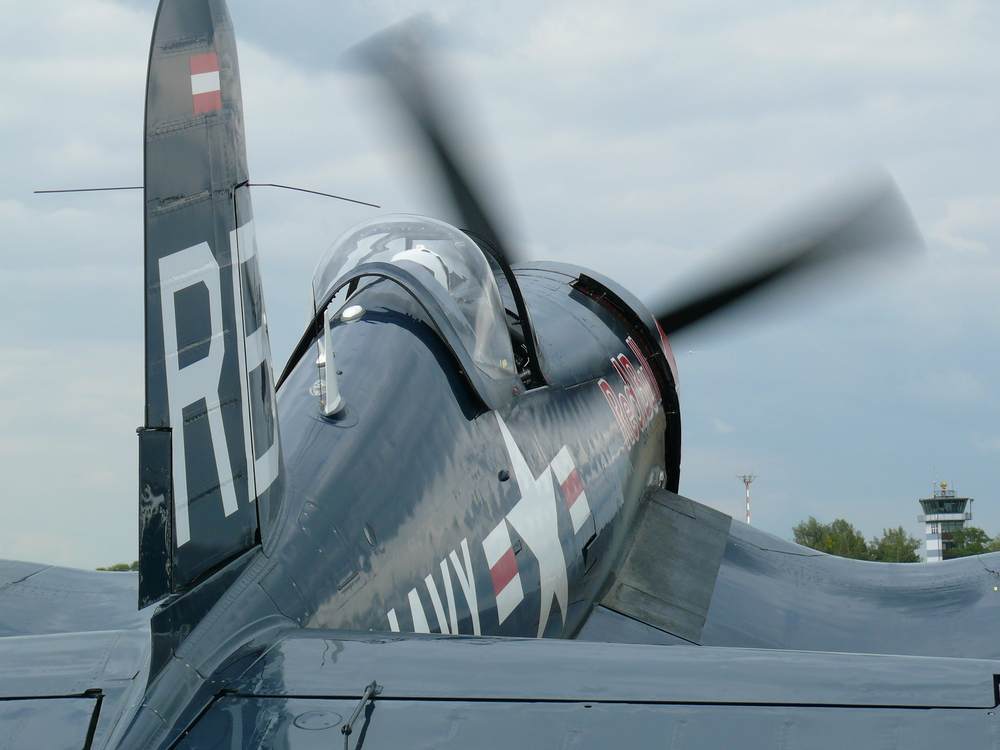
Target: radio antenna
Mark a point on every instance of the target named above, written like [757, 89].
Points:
[746, 479]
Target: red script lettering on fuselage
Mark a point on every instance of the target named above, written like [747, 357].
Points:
[639, 399]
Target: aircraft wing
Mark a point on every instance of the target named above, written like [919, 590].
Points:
[693, 575]
[70, 690]
[44, 599]
[441, 692]
[298, 689]
[72, 649]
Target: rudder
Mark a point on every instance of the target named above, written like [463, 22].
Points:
[210, 463]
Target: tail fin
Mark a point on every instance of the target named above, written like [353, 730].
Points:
[209, 454]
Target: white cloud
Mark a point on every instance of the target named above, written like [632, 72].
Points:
[952, 387]
[987, 444]
[721, 427]
[971, 224]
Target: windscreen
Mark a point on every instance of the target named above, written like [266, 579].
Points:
[438, 254]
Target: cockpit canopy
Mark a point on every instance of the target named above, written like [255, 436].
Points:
[440, 255]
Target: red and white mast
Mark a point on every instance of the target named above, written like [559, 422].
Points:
[746, 479]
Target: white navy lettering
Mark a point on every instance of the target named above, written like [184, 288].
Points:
[467, 580]
[535, 518]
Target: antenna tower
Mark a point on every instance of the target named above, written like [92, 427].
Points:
[746, 479]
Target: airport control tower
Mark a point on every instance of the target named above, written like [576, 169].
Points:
[943, 514]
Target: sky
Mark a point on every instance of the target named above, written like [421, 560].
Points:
[639, 139]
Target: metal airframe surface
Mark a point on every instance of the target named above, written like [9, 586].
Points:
[43, 599]
[772, 593]
[428, 458]
[313, 724]
[70, 663]
[391, 501]
[429, 667]
[50, 723]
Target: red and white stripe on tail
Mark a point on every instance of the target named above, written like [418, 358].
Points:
[569, 480]
[206, 89]
[503, 570]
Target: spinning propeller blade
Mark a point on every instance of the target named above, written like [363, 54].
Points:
[868, 218]
[871, 218]
[398, 56]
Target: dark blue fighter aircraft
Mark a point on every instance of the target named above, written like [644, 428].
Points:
[456, 525]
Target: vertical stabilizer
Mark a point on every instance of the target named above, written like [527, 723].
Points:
[210, 463]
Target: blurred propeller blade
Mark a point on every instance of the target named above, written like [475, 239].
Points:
[869, 219]
[398, 55]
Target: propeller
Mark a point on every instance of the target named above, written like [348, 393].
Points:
[398, 55]
[869, 217]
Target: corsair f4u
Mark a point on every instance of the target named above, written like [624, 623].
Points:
[453, 519]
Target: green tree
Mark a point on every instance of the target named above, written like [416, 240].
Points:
[122, 567]
[969, 541]
[836, 538]
[895, 545]
[810, 533]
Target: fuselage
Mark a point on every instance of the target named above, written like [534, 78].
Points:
[418, 509]
[445, 495]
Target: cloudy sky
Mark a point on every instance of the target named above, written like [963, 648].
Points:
[635, 138]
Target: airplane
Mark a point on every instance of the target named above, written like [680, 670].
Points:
[453, 520]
